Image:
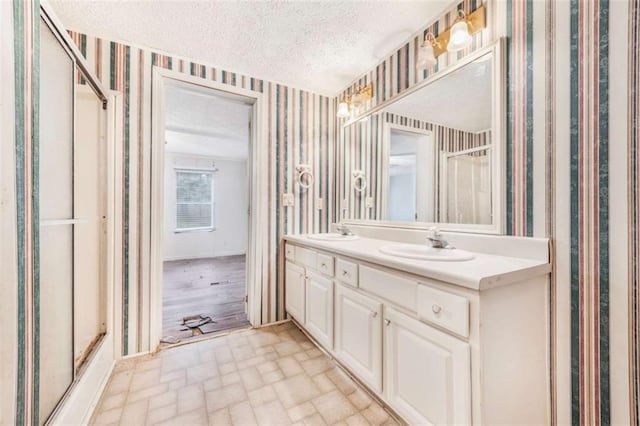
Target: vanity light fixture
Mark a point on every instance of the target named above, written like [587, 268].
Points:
[426, 54]
[453, 39]
[351, 103]
[460, 37]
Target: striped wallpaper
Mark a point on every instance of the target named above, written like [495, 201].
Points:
[301, 130]
[633, 200]
[360, 148]
[559, 132]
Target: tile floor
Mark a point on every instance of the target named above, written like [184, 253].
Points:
[269, 376]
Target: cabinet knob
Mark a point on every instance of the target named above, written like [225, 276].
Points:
[345, 273]
[387, 321]
[374, 314]
[324, 265]
[436, 308]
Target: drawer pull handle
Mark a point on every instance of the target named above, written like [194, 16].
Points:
[345, 273]
[324, 265]
[436, 308]
[374, 314]
[387, 322]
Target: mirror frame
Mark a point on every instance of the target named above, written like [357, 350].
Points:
[498, 128]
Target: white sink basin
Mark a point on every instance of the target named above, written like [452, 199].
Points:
[333, 237]
[415, 251]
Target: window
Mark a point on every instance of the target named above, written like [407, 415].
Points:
[194, 200]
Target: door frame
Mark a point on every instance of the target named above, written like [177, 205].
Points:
[258, 235]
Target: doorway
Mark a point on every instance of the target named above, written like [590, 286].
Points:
[202, 241]
[409, 172]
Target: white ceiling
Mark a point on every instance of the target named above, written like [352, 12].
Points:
[321, 46]
[460, 100]
[199, 122]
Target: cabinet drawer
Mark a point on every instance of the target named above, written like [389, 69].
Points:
[290, 252]
[347, 272]
[447, 310]
[305, 256]
[401, 291]
[324, 264]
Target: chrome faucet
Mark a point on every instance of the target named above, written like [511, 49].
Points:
[437, 241]
[343, 230]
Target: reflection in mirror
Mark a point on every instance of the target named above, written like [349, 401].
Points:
[428, 156]
[467, 177]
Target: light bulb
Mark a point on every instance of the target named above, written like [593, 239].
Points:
[343, 110]
[460, 37]
[426, 57]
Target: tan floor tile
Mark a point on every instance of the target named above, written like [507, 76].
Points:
[295, 390]
[125, 365]
[202, 372]
[193, 418]
[334, 407]
[231, 378]
[272, 413]
[178, 383]
[375, 414]
[242, 353]
[108, 417]
[267, 367]
[251, 378]
[147, 393]
[314, 352]
[173, 375]
[212, 384]
[149, 363]
[317, 365]
[223, 355]
[228, 367]
[301, 411]
[135, 413]
[273, 376]
[357, 420]
[144, 379]
[324, 383]
[225, 396]
[343, 382]
[262, 395]
[163, 413]
[314, 420]
[113, 401]
[220, 417]
[287, 348]
[360, 399]
[242, 414]
[264, 339]
[190, 398]
[289, 366]
[119, 382]
[166, 398]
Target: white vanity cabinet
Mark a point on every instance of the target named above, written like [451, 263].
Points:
[319, 308]
[427, 372]
[295, 294]
[437, 352]
[358, 335]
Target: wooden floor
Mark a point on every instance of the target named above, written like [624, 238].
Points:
[212, 287]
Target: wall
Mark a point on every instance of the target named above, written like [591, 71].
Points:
[231, 189]
[572, 151]
[300, 130]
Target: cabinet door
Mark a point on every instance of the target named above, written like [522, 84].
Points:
[427, 372]
[358, 342]
[319, 313]
[294, 291]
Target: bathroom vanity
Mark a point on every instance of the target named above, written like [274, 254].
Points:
[441, 342]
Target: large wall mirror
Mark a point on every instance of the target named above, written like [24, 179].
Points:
[433, 155]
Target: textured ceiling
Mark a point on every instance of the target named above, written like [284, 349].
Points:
[321, 46]
[460, 100]
[199, 122]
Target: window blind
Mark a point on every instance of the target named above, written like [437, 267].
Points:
[194, 199]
